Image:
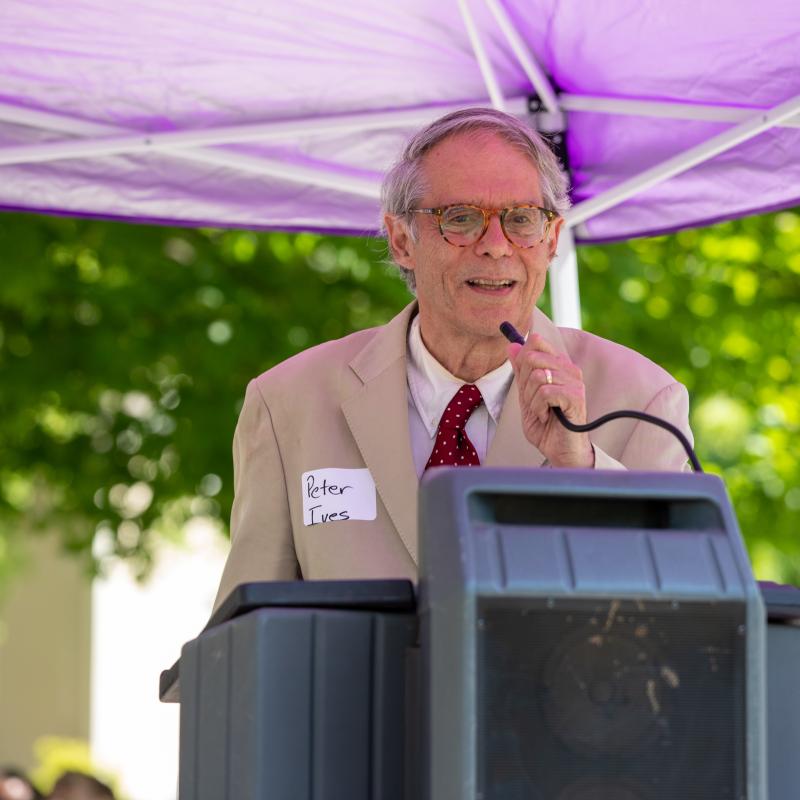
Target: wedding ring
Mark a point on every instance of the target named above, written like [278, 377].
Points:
[548, 376]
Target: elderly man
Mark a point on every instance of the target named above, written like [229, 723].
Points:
[331, 444]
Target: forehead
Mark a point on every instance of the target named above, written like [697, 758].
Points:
[479, 167]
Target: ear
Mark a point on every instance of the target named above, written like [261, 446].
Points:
[552, 237]
[401, 245]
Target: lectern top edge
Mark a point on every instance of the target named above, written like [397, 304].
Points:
[387, 596]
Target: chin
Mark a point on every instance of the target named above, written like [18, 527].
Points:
[487, 325]
[496, 314]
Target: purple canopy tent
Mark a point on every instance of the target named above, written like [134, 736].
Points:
[283, 115]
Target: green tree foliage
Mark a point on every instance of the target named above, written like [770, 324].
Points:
[720, 309]
[124, 354]
[125, 351]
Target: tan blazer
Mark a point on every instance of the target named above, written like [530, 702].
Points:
[345, 404]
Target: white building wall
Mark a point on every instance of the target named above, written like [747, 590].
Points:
[138, 631]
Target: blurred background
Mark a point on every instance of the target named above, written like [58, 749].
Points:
[124, 355]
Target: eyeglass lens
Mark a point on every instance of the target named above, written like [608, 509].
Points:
[463, 225]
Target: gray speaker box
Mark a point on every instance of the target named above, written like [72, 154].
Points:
[589, 636]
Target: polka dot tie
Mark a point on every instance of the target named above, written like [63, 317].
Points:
[452, 446]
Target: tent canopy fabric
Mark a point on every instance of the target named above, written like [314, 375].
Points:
[268, 114]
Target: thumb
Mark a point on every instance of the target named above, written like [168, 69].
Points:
[512, 350]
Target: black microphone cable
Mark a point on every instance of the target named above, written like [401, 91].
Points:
[514, 336]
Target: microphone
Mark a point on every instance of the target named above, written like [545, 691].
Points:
[515, 337]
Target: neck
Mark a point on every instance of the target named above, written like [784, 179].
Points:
[468, 360]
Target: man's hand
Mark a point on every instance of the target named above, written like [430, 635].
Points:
[533, 364]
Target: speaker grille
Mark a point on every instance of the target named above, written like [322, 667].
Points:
[583, 699]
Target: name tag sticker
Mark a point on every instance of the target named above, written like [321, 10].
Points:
[335, 494]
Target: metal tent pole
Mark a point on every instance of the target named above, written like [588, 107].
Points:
[109, 144]
[665, 109]
[484, 64]
[565, 297]
[282, 130]
[683, 161]
[564, 290]
[526, 60]
[119, 140]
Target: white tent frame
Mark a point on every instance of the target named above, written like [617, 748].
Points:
[564, 287]
[94, 139]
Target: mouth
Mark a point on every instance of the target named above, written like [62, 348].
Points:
[492, 286]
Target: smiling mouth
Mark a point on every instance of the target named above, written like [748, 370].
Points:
[485, 283]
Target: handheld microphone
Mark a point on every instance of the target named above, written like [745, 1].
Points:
[515, 337]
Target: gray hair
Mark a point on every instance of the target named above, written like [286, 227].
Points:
[404, 184]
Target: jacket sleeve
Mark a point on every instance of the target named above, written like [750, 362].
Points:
[262, 544]
[652, 448]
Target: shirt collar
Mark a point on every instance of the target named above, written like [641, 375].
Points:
[432, 387]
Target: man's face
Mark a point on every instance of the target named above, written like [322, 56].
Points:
[455, 302]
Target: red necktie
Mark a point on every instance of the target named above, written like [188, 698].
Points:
[452, 446]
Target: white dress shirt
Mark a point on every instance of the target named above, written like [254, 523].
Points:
[431, 387]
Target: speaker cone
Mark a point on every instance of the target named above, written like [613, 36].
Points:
[603, 696]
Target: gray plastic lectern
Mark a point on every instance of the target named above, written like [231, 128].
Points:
[297, 692]
[584, 636]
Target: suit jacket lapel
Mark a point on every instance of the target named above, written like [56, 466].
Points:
[377, 413]
[509, 447]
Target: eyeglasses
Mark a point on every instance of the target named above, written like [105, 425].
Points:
[462, 225]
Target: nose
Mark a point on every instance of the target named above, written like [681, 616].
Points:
[493, 243]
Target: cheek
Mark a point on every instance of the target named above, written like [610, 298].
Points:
[430, 263]
[537, 267]
[441, 271]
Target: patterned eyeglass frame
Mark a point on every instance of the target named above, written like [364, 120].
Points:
[488, 213]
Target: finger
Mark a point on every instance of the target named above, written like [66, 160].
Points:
[528, 385]
[570, 399]
[534, 372]
[538, 342]
[557, 363]
[543, 353]
[538, 396]
[563, 391]
[513, 351]
[535, 344]
[525, 367]
[531, 376]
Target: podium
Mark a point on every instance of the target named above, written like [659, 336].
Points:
[577, 636]
[297, 690]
